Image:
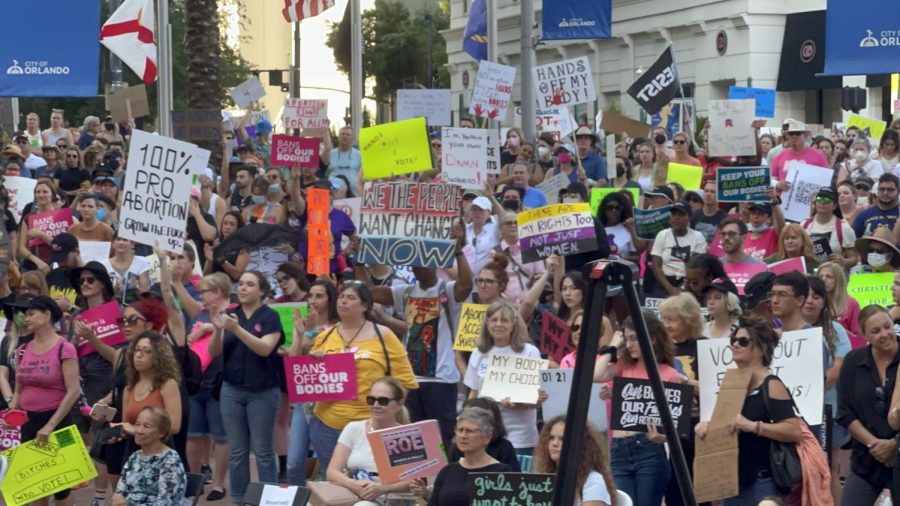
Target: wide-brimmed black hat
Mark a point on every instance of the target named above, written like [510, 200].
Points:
[97, 269]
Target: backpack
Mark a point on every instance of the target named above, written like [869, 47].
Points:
[191, 369]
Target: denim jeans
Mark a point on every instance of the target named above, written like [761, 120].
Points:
[249, 419]
[752, 495]
[640, 469]
[323, 439]
[206, 416]
[298, 445]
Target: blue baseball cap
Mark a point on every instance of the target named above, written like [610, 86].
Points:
[263, 126]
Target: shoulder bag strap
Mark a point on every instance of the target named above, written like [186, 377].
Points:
[387, 356]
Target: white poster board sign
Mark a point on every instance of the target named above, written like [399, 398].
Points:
[463, 159]
[805, 181]
[248, 92]
[558, 385]
[517, 378]
[563, 83]
[558, 120]
[730, 130]
[434, 105]
[493, 88]
[551, 187]
[21, 193]
[94, 250]
[299, 113]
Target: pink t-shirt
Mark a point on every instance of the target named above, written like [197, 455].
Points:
[766, 245]
[41, 378]
[785, 156]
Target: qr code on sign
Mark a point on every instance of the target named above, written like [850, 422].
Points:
[804, 192]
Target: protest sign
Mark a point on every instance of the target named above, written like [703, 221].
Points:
[303, 114]
[493, 88]
[288, 151]
[9, 437]
[765, 99]
[40, 470]
[247, 92]
[391, 149]
[285, 312]
[716, 460]
[156, 191]
[266, 260]
[873, 128]
[491, 489]
[103, 321]
[199, 164]
[409, 224]
[408, 452]
[805, 181]
[128, 103]
[634, 406]
[493, 153]
[597, 195]
[740, 273]
[557, 120]
[558, 385]
[51, 223]
[434, 105]
[567, 82]
[649, 222]
[556, 337]
[94, 251]
[350, 207]
[331, 378]
[821, 247]
[797, 264]
[743, 184]
[688, 176]
[463, 159]
[471, 317]
[318, 227]
[197, 124]
[730, 128]
[871, 288]
[612, 122]
[551, 187]
[515, 377]
[797, 361]
[561, 229]
[21, 193]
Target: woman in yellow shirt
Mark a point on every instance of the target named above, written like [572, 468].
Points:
[378, 353]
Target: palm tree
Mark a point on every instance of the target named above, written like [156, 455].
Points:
[201, 48]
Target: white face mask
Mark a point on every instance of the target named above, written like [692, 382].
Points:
[543, 151]
[862, 201]
[807, 142]
[758, 229]
[876, 260]
[860, 155]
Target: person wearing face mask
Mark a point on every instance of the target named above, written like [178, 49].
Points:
[623, 175]
[797, 148]
[511, 199]
[860, 163]
[565, 155]
[544, 153]
[577, 193]
[90, 228]
[878, 252]
[673, 247]
[762, 239]
[262, 210]
[514, 140]
[532, 197]
[885, 210]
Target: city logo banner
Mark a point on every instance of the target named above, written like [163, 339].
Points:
[658, 85]
[861, 38]
[577, 19]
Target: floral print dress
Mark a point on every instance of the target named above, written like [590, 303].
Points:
[159, 480]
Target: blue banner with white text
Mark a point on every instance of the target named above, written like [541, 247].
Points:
[576, 19]
[55, 54]
[862, 37]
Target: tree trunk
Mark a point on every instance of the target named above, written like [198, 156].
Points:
[201, 43]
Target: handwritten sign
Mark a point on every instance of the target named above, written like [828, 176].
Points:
[557, 120]
[871, 288]
[409, 224]
[597, 195]
[288, 151]
[556, 337]
[21, 193]
[567, 82]
[302, 114]
[558, 385]
[873, 128]
[551, 187]
[743, 184]
[332, 378]
[561, 229]
[318, 228]
[434, 105]
[493, 153]
[396, 148]
[37, 471]
[797, 361]
[765, 99]
[463, 157]
[650, 222]
[408, 452]
[491, 489]
[156, 191]
[285, 312]
[634, 406]
[247, 92]
[471, 317]
[741, 273]
[103, 320]
[515, 377]
[688, 176]
[51, 223]
[730, 130]
[197, 124]
[493, 88]
[805, 181]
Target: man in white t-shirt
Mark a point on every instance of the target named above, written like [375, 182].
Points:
[673, 247]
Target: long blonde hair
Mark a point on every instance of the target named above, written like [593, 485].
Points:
[839, 293]
[399, 394]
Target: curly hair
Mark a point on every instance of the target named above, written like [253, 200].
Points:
[164, 365]
[593, 458]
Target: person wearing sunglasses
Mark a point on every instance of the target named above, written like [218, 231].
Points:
[352, 466]
[72, 177]
[616, 216]
[824, 225]
[796, 148]
[681, 144]
[765, 417]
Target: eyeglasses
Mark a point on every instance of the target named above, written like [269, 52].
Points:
[877, 250]
[741, 342]
[143, 351]
[272, 177]
[381, 401]
[282, 280]
[730, 233]
[436, 145]
[679, 142]
[485, 281]
[824, 199]
[133, 320]
[88, 281]
[780, 295]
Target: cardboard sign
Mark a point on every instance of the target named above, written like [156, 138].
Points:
[288, 151]
[471, 317]
[303, 114]
[551, 187]
[156, 191]
[433, 105]
[871, 288]
[103, 320]
[128, 103]
[561, 229]
[463, 160]
[490, 489]
[37, 471]
[408, 452]
[567, 82]
[309, 379]
[743, 184]
[597, 195]
[634, 406]
[285, 312]
[688, 176]
[797, 362]
[391, 149]
[21, 193]
[872, 128]
[10, 437]
[409, 224]
[730, 130]
[247, 92]
[613, 122]
[515, 377]
[51, 223]
[765, 99]
[650, 222]
[558, 385]
[806, 181]
[791, 264]
[493, 88]
[318, 227]
[556, 337]
[197, 124]
[740, 274]
[94, 250]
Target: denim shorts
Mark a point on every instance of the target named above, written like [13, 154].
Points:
[205, 416]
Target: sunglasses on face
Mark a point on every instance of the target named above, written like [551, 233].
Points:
[741, 342]
[133, 320]
[679, 142]
[381, 401]
[794, 134]
[823, 199]
[88, 281]
[22, 142]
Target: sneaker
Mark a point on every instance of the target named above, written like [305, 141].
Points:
[206, 471]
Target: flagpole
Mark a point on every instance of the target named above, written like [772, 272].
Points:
[526, 22]
[356, 70]
[164, 70]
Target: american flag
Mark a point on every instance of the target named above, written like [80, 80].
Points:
[296, 10]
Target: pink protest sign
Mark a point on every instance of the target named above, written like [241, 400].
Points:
[556, 341]
[10, 437]
[288, 150]
[791, 264]
[740, 274]
[408, 452]
[103, 320]
[51, 223]
[331, 379]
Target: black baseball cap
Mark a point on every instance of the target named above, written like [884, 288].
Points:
[62, 245]
[756, 291]
[762, 206]
[723, 285]
[682, 208]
